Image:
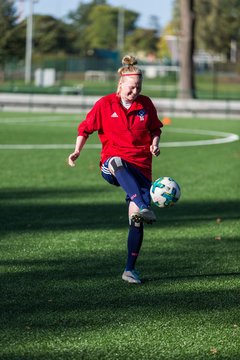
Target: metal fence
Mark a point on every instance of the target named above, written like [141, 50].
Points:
[97, 76]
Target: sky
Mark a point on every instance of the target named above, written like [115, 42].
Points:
[60, 8]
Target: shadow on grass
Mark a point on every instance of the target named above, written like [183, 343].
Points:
[84, 290]
[36, 289]
[47, 298]
[46, 210]
[83, 294]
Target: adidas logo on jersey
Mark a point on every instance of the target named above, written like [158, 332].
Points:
[114, 114]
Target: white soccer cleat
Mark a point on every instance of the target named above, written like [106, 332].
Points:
[144, 215]
[131, 277]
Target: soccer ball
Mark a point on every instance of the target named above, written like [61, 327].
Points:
[165, 192]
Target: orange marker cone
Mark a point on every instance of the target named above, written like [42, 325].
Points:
[166, 121]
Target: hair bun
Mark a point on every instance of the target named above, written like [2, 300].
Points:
[129, 60]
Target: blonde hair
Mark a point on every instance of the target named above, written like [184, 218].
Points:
[129, 68]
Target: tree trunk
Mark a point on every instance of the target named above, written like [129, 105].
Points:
[187, 81]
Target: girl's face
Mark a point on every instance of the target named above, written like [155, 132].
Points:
[130, 87]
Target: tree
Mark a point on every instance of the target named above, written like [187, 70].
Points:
[96, 24]
[217, 25]
[15, 42]
[102, 29]
[52, 36]
[8, 19]
[80, 20]
[144, 40]
[80, 16]
[186, 81]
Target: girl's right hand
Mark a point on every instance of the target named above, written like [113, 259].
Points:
[73, 157]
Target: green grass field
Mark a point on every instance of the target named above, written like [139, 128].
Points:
[63, 249]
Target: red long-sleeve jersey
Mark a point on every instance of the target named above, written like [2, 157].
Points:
[124, 133]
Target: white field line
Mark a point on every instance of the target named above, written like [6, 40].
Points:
[44, 146]
[224, 138]
[68, 118]
[34, 120]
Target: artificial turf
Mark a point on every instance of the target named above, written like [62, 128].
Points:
[63, 249]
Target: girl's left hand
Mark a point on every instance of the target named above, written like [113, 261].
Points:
[155, 150]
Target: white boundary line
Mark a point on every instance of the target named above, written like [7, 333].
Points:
[224, 138]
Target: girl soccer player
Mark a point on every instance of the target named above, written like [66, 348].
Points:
[129, 130]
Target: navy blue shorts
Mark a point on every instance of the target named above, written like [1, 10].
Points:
[144, 183]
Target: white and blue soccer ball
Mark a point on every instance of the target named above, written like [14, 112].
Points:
[165, 192]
